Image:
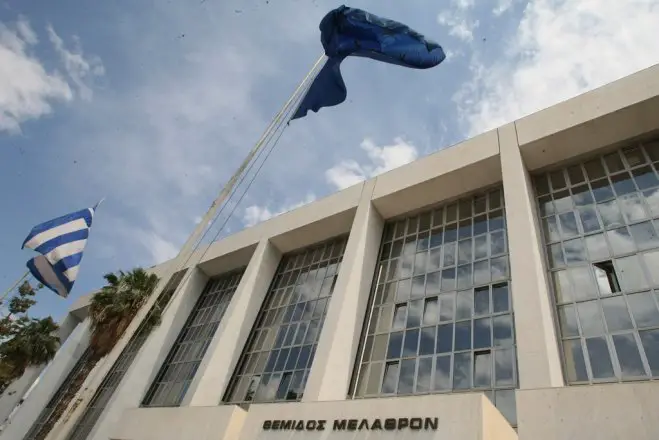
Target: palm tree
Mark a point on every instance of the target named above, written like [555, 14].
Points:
[114, 307]
[111, 311]
[33, 342]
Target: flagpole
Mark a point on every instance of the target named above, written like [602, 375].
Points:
[224, 193]
[8, 291]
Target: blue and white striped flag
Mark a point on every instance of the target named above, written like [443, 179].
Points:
[61, 243]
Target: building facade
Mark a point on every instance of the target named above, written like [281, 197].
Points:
[503, 288]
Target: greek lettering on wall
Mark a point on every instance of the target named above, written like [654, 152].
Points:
[387, 424]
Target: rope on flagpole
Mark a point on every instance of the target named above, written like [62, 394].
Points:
[193, 240]
[228, 191]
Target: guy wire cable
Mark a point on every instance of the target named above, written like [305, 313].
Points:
[273, 128]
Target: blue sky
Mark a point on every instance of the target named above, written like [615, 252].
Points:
[153, 104]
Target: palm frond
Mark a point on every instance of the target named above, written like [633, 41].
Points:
[114, 307]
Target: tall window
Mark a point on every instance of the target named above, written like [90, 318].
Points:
[440, 318]
[600, 220]
[277, 358]
[45, 419]
[180, 366]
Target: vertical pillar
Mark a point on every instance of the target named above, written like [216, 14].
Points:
[337, 348]
[220, 360]
[538, 356]
[132, 387]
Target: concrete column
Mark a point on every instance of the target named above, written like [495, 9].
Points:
[538, 356]
[66, 327]
[333, 363]
[216, 368]
[49, 382]
[147, 363]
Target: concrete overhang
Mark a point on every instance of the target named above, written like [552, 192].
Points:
[442, 176]
[617, 113]
[309, 224]
[80, 308]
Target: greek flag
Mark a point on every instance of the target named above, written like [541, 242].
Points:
[61, 243]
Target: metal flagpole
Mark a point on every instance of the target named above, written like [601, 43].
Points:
[8, 291]
[192, 240]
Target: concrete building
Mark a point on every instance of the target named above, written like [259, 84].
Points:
[502, 288]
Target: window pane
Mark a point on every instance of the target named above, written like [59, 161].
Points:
[574, 361]
[503, 330]
[597, 247]
[400, 316]
[482, 301]
[424, 375]
[411, 345]
[390, 381]
[414, 314]
[465, 301]
[651, 260]
[568, 321]
[406, 381]
[644, 235]
[483, 333]
[395, 345]
[483, 370]
[445, 338]
[463, 335]
[590, 318]
[447, 307]
[600, 358]
[442, 380]
[630, 274]
[621, 241]
[644, 309]
[583, 283]
[616, 314]
[504, 364]
[650, 341]
[628, 355]
[431, 312]
[462, 371]
[500, 298]
[427, 340]
[375, 373]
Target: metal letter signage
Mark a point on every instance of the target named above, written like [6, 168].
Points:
[388, 424]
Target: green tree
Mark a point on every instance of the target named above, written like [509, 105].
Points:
[24, 341]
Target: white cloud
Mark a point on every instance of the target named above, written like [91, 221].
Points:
[382, 159]
[80, 69]
[26, 89]
[460, 26]
[502, 6]
[561, 48]
[255, 214]
[458, 20]
[464, 4]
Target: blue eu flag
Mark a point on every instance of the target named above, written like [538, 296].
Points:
[352, 32]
